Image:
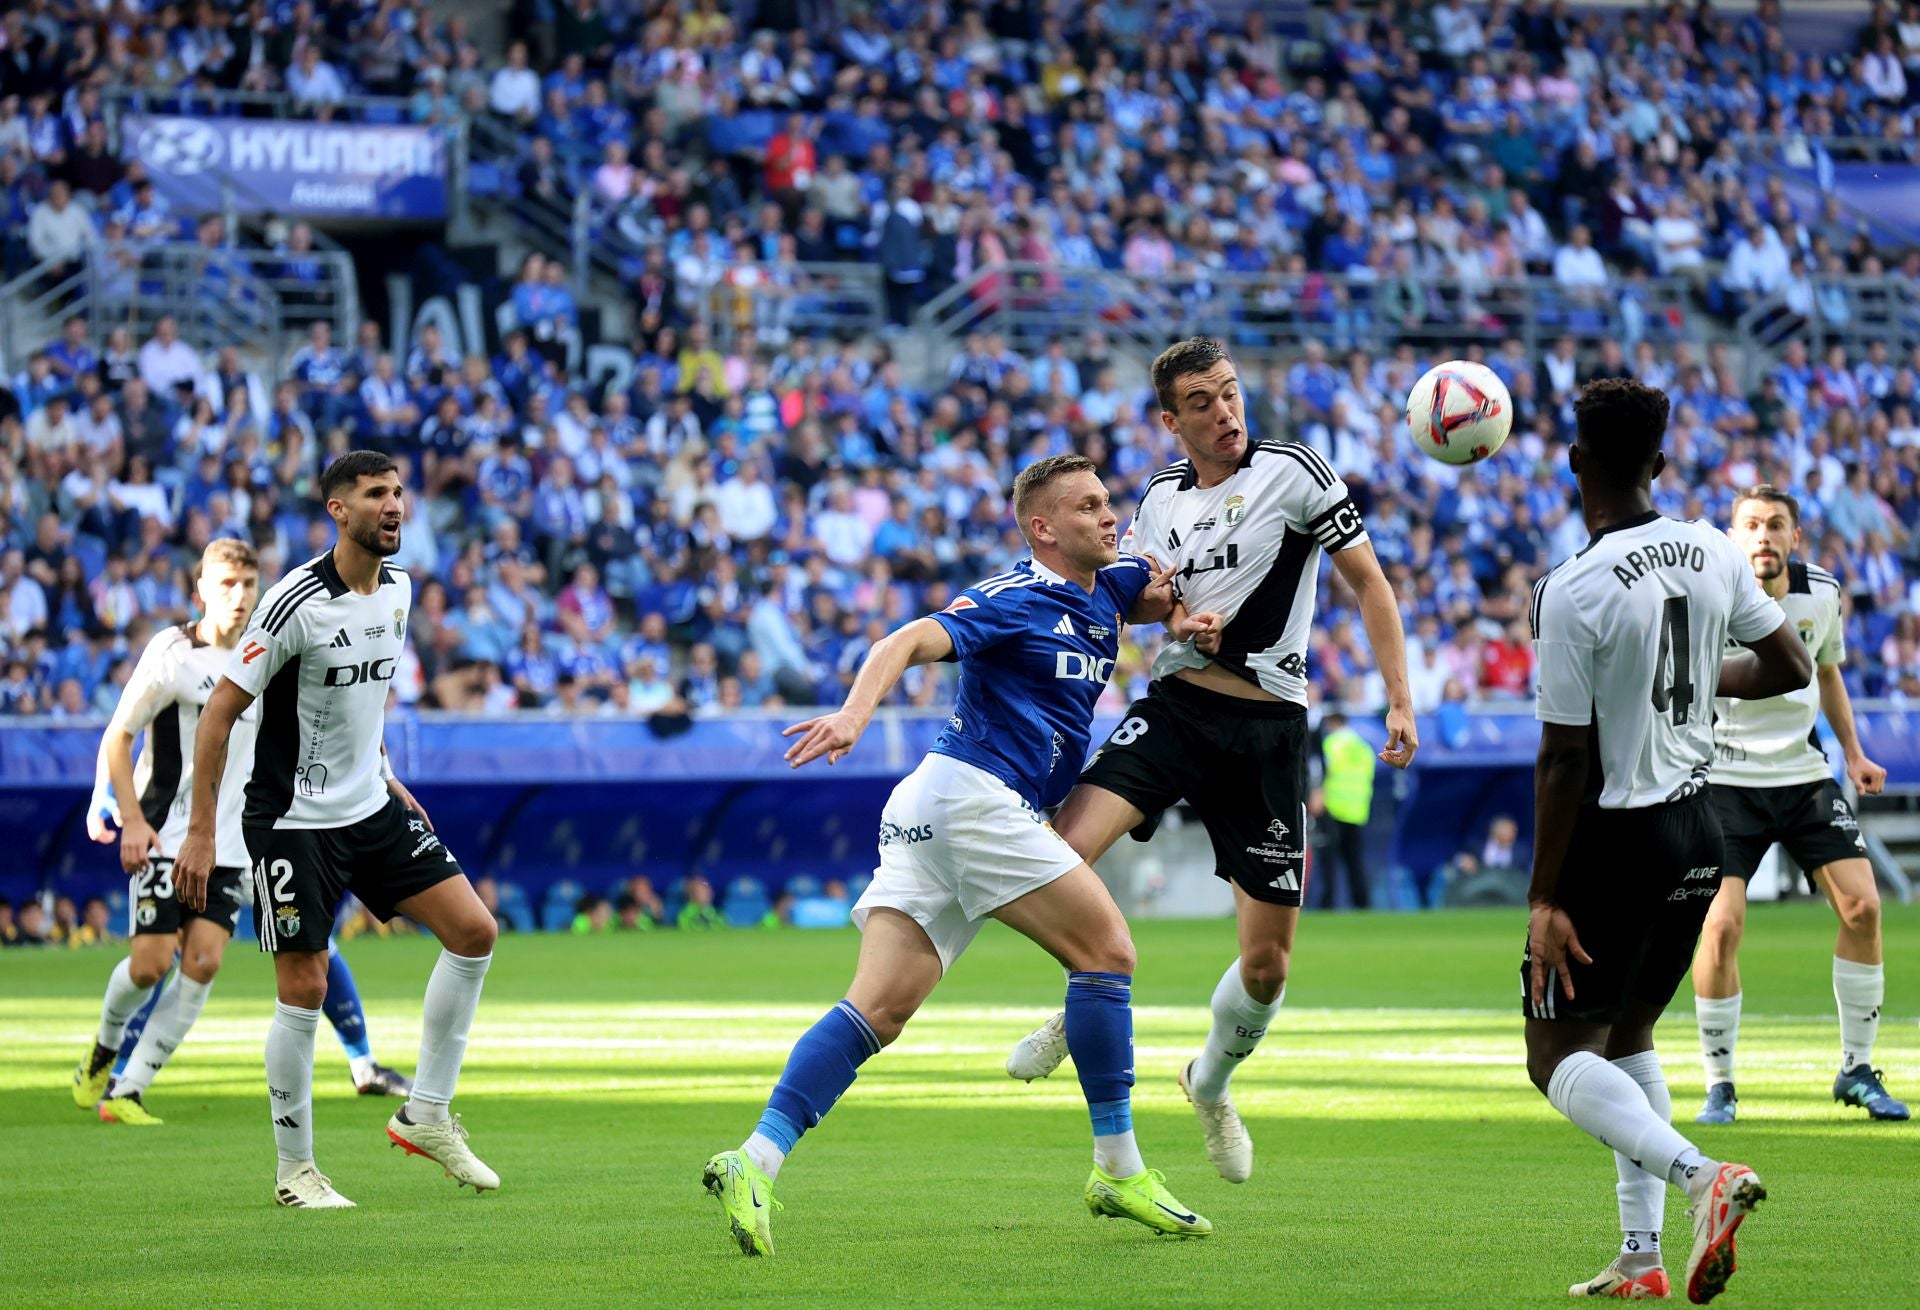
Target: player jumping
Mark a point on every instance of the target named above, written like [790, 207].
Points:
[1224, 723]
[171, 682]
[324, 814]
[1771, 783]
[962, 839]
[1629, 636]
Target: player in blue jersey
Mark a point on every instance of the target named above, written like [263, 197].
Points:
[963, 839]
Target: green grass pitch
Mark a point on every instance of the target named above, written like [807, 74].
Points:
[1402, 1158]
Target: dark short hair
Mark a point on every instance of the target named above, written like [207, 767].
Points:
[350, 468]
[1772, 495]
[1194, 355]
[1620, 424]
[1037, 477]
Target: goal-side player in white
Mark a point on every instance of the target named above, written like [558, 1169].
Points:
[162, 699]
[324, 815]
[1772, 783]
[1223, 726]
[1629, 639]
[963, 839]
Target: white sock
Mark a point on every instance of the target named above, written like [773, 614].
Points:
[766, 1156]
[166, 1028]
[1642, 1196]
[1118, 1154]
[362, 1067]
[290, 1082]
[1719, 1022]
[1858, 989]
[123, 1000]
[453, 994]
[1609, 1105]
[1239, 1022]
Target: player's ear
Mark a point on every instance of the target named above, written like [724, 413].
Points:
[1659, 462]
[1573, 458]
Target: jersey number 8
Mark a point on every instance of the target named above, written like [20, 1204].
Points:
[1673, 682]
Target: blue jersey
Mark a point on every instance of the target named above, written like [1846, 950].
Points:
[1035, 653]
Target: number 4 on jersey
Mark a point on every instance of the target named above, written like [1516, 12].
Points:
[1673, 683]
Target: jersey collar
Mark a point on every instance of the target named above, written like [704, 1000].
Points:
[1637, 521]
[1044, 573]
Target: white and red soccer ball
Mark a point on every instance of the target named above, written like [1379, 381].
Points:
[1460, 412]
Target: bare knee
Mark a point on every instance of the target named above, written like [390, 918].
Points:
[1859, 915]
[302, 981]
[887, 1016]
[1720, 935]
[1109, 952]
[472, 937]
[1263, 972]
[200, 966]
[144, 974]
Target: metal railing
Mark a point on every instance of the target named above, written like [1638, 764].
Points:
[1268, 316]
[783, 301]
[1849, 311]
[256, 301]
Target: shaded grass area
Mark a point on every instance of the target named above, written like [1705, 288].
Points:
[1402, 1157]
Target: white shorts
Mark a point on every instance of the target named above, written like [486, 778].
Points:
[956, 844]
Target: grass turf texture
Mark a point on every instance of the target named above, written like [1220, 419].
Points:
[1402, 1158]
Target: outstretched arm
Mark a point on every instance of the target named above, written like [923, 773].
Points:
[1838, 707]
[921, 642]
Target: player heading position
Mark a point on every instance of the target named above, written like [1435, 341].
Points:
[163, 699]
[962, 840]
[1224, 723]
[324, 815]
[1627, 851]
[1771, 783]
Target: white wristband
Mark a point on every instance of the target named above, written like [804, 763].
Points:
[386, 767]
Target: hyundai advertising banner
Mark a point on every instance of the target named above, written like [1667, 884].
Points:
[274, 166]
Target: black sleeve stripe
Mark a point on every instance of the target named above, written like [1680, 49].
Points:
[1311, 463]
[1533, 613]
[1319, 460]
[1174, 474]
[284, 608]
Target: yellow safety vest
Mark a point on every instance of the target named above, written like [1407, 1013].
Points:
[1349, 782]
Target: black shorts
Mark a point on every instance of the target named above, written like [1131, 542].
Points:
[1637, 884]
[154, 909]
[1811, 819]
[299, 874]
[1242, 766]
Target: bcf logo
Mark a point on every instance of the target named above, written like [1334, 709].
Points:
[1081, 668]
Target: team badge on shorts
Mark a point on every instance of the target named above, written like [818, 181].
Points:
[149, 911]
[286, 920]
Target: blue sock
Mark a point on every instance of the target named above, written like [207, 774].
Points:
[824, 1063]
[342, 1006]
[138, 1024]
[1100, 1039]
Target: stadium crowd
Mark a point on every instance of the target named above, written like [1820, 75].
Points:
[738, 526]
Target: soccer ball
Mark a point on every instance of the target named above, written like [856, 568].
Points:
[1459, 412]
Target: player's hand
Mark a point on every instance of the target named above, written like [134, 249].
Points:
[191, 869]
[831, 735]
[1159, 589]
[103, 816]
[1402, 739]
[1203, 629]
[139, 843]
[1551, 941]
[1869, 777]
[399, 789]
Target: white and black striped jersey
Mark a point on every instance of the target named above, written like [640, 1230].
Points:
[1628, 636]
[1771, 742]
[1249, 551]
[321, 658]
[164, 697]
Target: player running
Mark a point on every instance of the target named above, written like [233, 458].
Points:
[962, 839]
[324, 814]
[1771, 783]
[175, 674]
[1629, 636]
[1224, 723]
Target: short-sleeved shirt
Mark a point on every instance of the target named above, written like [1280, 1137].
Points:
[1035, 652]
[321, 657]
[1629, 634]
[1249, 550]
[1771, 742]
[163, 698]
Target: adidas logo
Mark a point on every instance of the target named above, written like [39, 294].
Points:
[342, 639]
[286, 1121]
[1064, 627]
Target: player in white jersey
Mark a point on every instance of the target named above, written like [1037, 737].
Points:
[1224, 723]
[1772, 783]
[172, 680]
[1629, 637]
[324, 815]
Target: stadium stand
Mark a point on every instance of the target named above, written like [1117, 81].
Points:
[859, 264]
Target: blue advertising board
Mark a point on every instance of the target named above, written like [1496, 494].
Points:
[316, 170]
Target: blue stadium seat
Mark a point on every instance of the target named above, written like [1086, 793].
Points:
[820, 912]
[557, 912]
[802, 884]
[857, 885]
[516, 907]
[747, 902]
